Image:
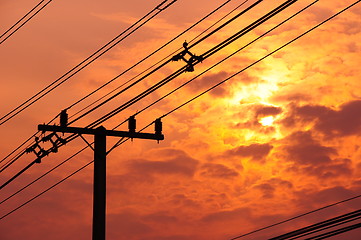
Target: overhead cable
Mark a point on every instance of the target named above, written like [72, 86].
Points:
[11, 161]
[287, 220]
[14, 28]
[181, 70]
[115, 41]
[314, 228]
[163, 82]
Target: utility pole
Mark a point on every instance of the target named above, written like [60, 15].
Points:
[100, 136]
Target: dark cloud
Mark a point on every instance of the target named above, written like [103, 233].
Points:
[346, 121]
[256, 152]
[305, 150]
[296, 97]
[310, 199]
[312, 158]
[160, 217]
[332, 123]
[337, 168]
[178, 162]
[209, 81]
[321, 13]
[269, 187]
[226, 216]
[263, 111]
[217, 171]
[184, 201]
[266, 189]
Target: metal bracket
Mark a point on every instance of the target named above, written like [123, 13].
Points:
[38, 150]
[192, 59]
[54, 142]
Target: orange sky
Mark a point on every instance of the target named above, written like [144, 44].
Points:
[277, 140]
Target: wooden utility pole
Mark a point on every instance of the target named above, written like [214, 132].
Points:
[100, 135]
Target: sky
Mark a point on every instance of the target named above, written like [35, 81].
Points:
[277, 140]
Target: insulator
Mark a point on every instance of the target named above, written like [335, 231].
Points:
[158, 126]
[132, 124]
[63, 119]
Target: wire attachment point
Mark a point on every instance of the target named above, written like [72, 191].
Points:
[191, 61]
[37, 150]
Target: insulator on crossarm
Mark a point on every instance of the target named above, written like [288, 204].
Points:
[63, 118]
[132, 124]
[158, 126]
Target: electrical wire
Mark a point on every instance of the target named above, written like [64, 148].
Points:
[181, 70]
[43, 175]
[161, 83]
[157, 63]
[201, 33]
[336, 232]
[283, 46]
[320, 226]
[79, 67]
[105, 46]
[261, 59]
[21, 19]
[218, 63]
[38, 195]
[11, 161]
[325, 228]
[20, 154]
[154, 52]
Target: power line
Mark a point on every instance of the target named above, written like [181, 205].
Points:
[21, 19]
[43, 175]
[221, 61]
[272, 13]
[168, 42]
[45, 91]
[20, 154]
[261, 59]
[183, 69]
[336, 232]
[278, 49]
[169, 78]
[154, 52]
[11, 161]
[30, 200]
[321, 226]
[152, 66]
[79, 67]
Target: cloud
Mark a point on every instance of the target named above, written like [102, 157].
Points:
[269, 187]
[332, 123]
[178, 162]
[209, 81]
[305, 150]
[184, 201]
[311, 199]
[312, 158]
[264, 111]
[338, 168]
[227, 216]
[161, 217]
[126, 225]
[217, 171]
[256, 152]
[344, 122]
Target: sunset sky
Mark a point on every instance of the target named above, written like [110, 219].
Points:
[277, 140]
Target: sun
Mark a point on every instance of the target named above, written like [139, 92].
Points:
[267, 121]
